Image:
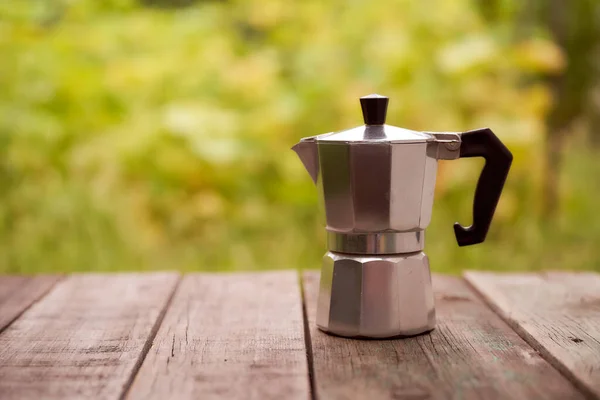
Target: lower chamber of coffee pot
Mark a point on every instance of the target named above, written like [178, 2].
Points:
[375, 296]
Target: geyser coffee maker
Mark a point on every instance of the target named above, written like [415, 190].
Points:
[377, 182]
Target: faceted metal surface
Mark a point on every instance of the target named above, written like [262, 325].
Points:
[375, 297]
[377, 187]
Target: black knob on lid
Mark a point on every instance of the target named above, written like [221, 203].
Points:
[374, 108]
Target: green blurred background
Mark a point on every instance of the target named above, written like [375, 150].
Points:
[156, 134]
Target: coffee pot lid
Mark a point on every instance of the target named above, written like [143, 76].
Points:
[374, 109]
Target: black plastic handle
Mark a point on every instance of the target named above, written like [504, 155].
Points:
[483, 143]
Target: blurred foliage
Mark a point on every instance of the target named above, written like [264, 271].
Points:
[136, 137]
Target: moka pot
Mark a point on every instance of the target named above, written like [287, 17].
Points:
[376, 183]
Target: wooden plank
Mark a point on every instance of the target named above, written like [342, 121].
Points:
[85, 339]
[471, 354]
[17, 293]
[558, 313]
[229, 336]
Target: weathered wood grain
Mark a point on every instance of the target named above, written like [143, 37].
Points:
[558, 313]
[229, 336]
[85, 339]
[17, 293]
[471, 354]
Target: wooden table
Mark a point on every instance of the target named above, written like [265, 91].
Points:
[253, 335]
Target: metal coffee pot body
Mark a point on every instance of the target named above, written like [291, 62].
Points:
[376, 184]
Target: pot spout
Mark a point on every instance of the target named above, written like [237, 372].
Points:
[308, 152]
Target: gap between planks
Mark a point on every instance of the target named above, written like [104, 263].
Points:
[238, 336]
[84, 338]
[149, 341]
[307, 339]
[19, 292]
[557, 313]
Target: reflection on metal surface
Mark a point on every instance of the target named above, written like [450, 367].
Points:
[376, 297]
[308, 154]
[337, 186]
[447, 146]
[376, 243]
[406, 192]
